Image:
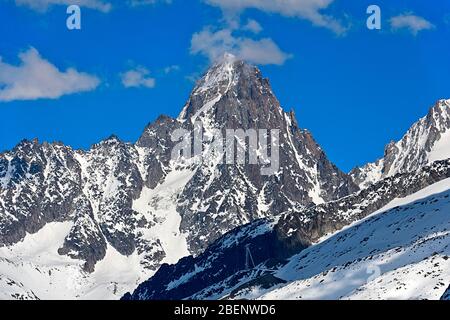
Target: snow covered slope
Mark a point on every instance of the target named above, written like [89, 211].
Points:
[354, 235]
[401, 253]
[427, 140]
[398, 253]
[42, 273]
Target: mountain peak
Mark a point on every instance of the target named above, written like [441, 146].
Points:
[425, 142]
[26, 144]
[112, 139]
[439, 116]
[444, 102]
[228, 74]
[442, 105]
[223, 72]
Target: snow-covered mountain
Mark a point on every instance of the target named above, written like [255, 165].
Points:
[426, 141]
[234, 95]
[390, 240]
[95, 223]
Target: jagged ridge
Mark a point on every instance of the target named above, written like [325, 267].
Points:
[135, 198]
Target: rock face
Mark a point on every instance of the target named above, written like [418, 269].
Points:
[426, 141]
[234, 95]
[138, 200]
[222, 269]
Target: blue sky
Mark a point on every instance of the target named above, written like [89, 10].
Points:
[355, 89]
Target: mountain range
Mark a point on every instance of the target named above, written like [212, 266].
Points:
[130, 217]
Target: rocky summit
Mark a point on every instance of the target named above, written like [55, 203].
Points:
[425, 142]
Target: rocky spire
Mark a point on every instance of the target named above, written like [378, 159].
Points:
[426, 141]
[229, 89]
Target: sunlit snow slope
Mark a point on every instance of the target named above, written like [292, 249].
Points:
[401, 253]
[33, 269]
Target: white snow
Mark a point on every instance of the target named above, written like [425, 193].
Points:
[402, 253]
[159, 205]
[211, 86]
[34, 269]
[207, 106]
[185, 277]
[372, 173]
[8, 174]
[411, 152]
[36, 265]
[311, 172]
[114, 276]
[435, 188]
[441, 150]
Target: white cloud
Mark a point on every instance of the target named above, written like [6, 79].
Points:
[252, 26]
[310, 10]
[138, 77]
[263, 51]
[36, 78]
[43, 5]
[413, 23]
[136, 3]
[215, 44]
[171, 69]
[101, 5]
